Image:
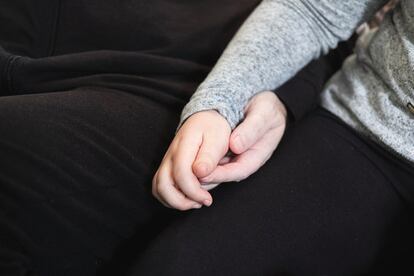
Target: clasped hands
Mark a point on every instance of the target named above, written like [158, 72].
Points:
[197, 159]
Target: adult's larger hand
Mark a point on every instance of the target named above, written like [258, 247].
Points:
[253, 141]
[197, 154]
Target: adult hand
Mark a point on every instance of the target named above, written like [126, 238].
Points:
[199, 145]
[253, 141]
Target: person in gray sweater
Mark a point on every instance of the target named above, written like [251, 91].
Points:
[90, 97]
[336, 196]
[372, 93]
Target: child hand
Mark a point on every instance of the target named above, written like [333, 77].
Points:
[194, 153]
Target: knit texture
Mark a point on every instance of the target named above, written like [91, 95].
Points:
[372, 90]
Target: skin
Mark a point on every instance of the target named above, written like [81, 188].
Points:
[197, 158]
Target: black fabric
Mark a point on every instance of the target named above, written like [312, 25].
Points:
[190, 30]
[75, 165]
[158, 48]
[75, 176]
[4, 69]
[324, 204]
[91, 93]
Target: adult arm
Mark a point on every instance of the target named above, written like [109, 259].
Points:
[276, 41]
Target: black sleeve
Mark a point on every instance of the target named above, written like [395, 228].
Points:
[300, 94]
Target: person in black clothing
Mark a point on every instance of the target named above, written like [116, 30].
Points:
[91, 93]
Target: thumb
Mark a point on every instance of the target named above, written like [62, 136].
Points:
[211, 151]
[249, 131]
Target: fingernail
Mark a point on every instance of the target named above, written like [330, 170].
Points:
[197, 206]
[207, 202]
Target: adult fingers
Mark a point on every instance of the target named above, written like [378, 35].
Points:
[224, 160]
[245, 164]
[242, 167]
[264, 111]
[209, 186]
[248, 132]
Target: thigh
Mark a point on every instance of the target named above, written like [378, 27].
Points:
[75, 176]
[320, 206]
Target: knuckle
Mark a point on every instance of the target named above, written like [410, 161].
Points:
[264, 119]
[160, 190]
[260, 120]
[173, 157]
[187, 187]
[157, 193]
[154, 191]
[192, 192]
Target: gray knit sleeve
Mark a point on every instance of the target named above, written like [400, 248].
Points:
[277, 40]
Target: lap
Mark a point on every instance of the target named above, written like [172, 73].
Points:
[75, 175]
[78, 164]
[320, 206]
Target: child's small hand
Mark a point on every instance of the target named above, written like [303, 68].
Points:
[194, 153]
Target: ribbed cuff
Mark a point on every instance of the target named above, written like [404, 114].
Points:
[229, 112]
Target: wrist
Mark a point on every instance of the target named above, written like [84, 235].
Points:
[213, 117]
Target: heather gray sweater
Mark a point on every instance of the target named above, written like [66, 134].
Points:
[373, 92]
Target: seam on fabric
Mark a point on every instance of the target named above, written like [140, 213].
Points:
[10, 76]
[3, 75]
[56, 23]
[7, 76]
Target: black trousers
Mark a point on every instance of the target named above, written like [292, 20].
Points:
[77, 155]
[75, 176]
